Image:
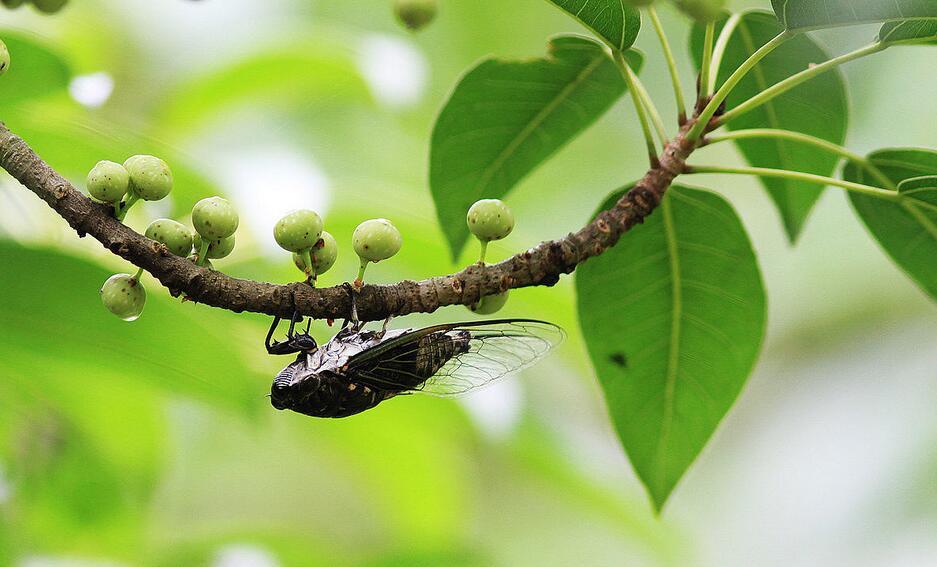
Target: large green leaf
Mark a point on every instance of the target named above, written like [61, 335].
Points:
[923, 31]
[819, 107]
[35, 70]
[906, 229]
[64, 308]
[616, 23]
[506, 117]
[814, 14]
[673, 317]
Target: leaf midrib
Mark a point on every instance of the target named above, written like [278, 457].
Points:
[675, 328]
[538, 120]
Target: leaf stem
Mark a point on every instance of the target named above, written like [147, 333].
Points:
[652, 111]
[710, 110]
[639, 108]
[671, 64]
[809, 140]
[705, 71]
[722, 43]
[798, 79]
[797, 176]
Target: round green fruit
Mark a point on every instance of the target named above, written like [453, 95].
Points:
[490, 304]
[298, 230]
[124, 296]
[323, 258]
[13, 3]
[49, 6]
[214, 218]
[4, 58]
[150, 177]
[376, 239]
[173, 234]
[217, 249]
[416, 14]
[490, 219]
[108, 182]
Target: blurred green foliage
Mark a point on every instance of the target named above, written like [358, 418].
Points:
[152, 443]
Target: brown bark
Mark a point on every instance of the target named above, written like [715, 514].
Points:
[541, 265]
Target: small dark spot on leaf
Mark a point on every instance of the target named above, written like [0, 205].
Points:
[619, 359]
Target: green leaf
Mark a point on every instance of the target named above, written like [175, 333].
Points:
[701, 10]
[35, 70]
[673, 317]
[923, 189]
[906, 229]
[909, 32]
[611, 20]
[819, 107]
[506, 117]
[180, 348]
[813, 14]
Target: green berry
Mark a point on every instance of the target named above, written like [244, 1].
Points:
[217, 249]
[173, 234]
[214, 218]
[4, 58]
[13, 3]
[490, 219]
[416, 14]
[124, 296]
[49, 6]
[150, 177]
[377, 239]
[490, 304]
[323, 258]
[108, 182]
[298, 230]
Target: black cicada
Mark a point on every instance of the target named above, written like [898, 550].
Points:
[358, 369]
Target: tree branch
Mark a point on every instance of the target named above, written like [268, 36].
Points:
[541, 265]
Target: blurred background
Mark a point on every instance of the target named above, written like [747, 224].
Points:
[153, 443]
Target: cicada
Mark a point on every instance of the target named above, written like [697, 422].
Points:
[358, 369]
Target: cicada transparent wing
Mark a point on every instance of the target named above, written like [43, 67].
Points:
[456, 358]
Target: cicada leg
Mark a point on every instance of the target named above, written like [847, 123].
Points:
[353, 316]
[294, 343]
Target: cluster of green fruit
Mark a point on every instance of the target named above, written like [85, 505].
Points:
[149, 178]
[141, 177]
[415, 14]
[315, 250]
[300, 232]
[44, 6]
[215, 222]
